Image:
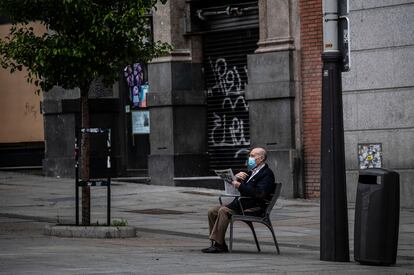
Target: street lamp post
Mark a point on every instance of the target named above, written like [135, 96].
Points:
[334, 243]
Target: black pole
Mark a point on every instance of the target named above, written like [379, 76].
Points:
[334, 244]
[108, 213]
[108, 167]
[77, 179]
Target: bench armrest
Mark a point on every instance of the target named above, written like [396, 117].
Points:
[240, 204]
[239, 199]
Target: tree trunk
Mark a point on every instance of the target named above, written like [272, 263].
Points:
[85, 157]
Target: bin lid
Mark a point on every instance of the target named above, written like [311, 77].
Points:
[376, 172]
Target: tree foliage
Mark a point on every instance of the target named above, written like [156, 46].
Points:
[86, 39]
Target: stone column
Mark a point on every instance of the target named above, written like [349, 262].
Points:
[275, 26]
[176, 101]
[61, 114]
[272, 92]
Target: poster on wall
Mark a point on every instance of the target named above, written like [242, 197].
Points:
[370, 155]
[143, 96]
[134, 76]
[140, 122]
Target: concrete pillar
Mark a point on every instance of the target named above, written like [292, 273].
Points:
[272, 92]
[61, 114]
[60, 121]
[275, 26]
[176, 101]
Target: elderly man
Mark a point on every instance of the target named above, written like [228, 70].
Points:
[258, 183]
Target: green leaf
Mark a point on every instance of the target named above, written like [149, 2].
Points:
[86, 39]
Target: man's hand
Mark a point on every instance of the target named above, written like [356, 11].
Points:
[236, 184]
[242, 176]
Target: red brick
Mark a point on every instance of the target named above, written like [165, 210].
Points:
[311, 73]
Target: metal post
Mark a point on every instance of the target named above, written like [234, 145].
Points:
[77, 180]
[108, 166]
[334, 244]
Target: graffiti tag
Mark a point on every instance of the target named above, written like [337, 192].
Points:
[30, 109]
[230, 120]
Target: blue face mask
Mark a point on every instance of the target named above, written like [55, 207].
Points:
[251, 163]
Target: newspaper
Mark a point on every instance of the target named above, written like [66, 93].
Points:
[227, 176]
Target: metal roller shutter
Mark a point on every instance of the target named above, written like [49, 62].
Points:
[225, 15]
[225, 72]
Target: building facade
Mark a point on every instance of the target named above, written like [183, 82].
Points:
[231, 83]
[21, 119]
[245, 74]
[378, 92]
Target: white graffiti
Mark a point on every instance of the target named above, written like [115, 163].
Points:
[227, 82]
[221, 129]
[240, 152]
[229, 127]
[228, 101]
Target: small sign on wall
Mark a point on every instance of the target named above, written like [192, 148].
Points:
[370, 155]
[140, 122]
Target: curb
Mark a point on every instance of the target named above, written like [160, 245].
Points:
[102, 232]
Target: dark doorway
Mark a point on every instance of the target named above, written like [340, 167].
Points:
[137, 121]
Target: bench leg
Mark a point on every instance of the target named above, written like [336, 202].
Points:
[250, 224]
[231, 237]
[274, 236]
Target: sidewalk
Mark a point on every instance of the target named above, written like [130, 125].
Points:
[171, 227]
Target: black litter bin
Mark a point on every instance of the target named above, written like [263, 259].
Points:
[377, 213]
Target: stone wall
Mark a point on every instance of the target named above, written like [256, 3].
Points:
[378, 92]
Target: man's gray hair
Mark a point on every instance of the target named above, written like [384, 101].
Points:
[262, 153]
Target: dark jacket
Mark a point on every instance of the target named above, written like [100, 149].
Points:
[260, 188]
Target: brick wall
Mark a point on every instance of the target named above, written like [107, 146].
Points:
[311, 49]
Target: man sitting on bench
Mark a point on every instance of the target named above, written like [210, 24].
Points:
[258, 183]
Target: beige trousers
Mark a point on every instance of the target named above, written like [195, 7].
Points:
[218, 221]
